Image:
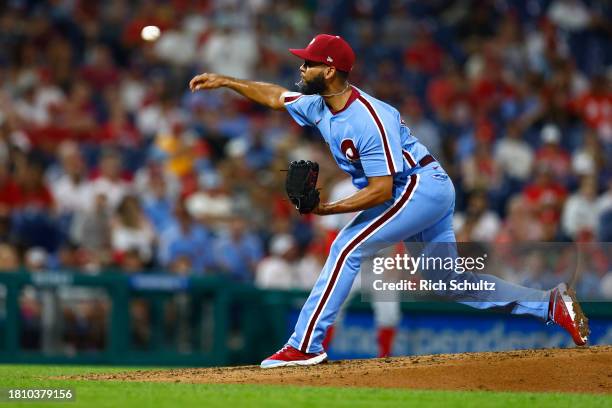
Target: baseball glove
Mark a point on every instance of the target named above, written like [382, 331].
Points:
[301, 185]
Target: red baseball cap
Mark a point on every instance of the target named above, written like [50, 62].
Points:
[330, 50]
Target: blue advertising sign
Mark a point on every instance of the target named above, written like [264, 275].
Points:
[155, 282]
[421, 334]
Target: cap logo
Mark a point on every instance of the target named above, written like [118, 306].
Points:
[330, 59]
[311, 41]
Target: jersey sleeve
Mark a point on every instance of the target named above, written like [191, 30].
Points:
[379, 150]
[302, 108]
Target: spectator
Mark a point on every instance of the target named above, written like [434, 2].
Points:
[26, 109]
[178, 149]
[591, 269]
[278, 271]
[580, 213]
[71, 190]
[8, 190]
[157, 204]
[100, 71]
[479, 170]
[230, 50]
[521, 223]
[606, 286]
[447, 95]
[147, 176]
[32, 218]
[130, 230]
[9, 259]
[479, 223]
[477, 24]
[589, 159]
[513, 155]
[259, 155]
[238, 251]
[76, 118]
[185, 240]
[119, 130]
[424, 55]
[310, 265]
[181, 266]
[594, 107]
[130, 261]
[211, 203]
[551, 154]
[160, 114]
[535, 273]
[91, 231]
[36, 259]
[31, 193]
[109, 181]
[570, 15]
[544, 192]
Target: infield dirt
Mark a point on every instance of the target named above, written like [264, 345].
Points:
[584, 370]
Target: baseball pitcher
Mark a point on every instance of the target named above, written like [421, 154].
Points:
[404, 195]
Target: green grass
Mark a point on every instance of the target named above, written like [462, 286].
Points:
[127, 394]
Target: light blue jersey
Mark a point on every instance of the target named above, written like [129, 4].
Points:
[367, 139]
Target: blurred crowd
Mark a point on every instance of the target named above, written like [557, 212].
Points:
[107, 161]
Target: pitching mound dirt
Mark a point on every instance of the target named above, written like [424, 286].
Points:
[587, 370]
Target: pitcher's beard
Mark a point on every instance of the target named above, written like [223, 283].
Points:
[312, 87]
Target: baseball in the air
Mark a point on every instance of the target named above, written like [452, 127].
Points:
[150, 33]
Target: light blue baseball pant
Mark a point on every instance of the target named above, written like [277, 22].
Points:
[421, 211]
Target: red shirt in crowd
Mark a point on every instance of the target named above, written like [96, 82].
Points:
[551, 193]
[39, 198]
[8, 195]
[554, 158]
[595, 110]
[426, 56]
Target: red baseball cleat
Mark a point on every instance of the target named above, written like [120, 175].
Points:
[290, 356]
[565, 310]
